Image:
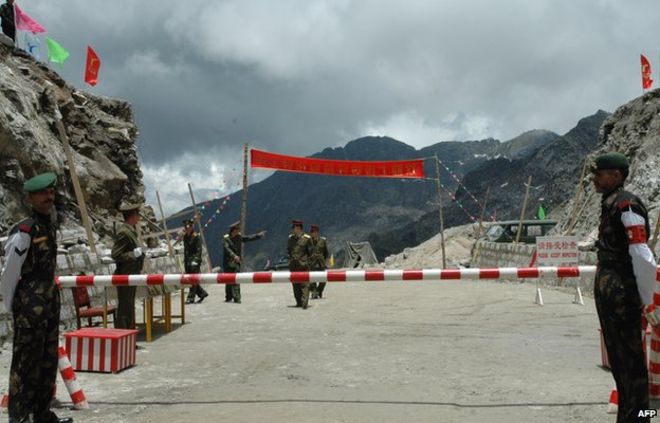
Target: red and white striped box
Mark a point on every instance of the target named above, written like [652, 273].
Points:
[101, 350]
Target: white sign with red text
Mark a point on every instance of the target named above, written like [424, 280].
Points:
[557, 251]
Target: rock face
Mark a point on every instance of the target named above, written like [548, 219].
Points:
[102, 134]
[634, 130]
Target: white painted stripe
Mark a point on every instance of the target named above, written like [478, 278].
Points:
[281, 277]
[96, 362]
[108, 355]
[137, 280]
[246, 277]
[431, 274]
[394, 275]
[85, 353]
[318, 276]
[355, 275]
[74, 351]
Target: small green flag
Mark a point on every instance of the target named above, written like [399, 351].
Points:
[56, 53]
[540, 213]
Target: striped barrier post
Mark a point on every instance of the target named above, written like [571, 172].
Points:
[70, 381]
[378, 275]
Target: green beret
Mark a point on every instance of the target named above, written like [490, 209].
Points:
[40, 182]
[126, 207]
[610, 161]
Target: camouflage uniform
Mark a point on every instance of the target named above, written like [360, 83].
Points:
[126, 241]
[318, 262]
[8, 23]
[231, 251]
[192, 253]
[36, 312]
[619, 305]
[299, 250]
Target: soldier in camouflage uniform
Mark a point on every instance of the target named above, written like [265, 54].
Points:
[231, 260]
[192, 259]
[624, 284]
[319, 259]
[30, 293]
[299, 251]
[129, 257]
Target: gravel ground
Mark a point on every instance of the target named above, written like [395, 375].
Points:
[474, 351]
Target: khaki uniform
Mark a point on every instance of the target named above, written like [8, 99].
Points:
[619, 305]
[36, 312]
[319, 261]
[299, 250]
[126, 241]
[192, 260]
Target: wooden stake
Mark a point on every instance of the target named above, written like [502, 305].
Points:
[82, 206]
[578, 195]
[524, 208]
[198, 217]
[170, 248]
[655, 233]
[244, 198]
[442, 218]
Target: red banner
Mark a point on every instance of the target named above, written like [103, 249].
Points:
[92, 67]
[646, 73]
[388, 169]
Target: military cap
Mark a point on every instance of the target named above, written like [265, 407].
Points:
[296, 223]
[610, 161]
[126, 207]
[314, 228]
[188, 222]
[235, 225]
[40, 182]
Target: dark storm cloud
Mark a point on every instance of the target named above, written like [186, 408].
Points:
[297, 76]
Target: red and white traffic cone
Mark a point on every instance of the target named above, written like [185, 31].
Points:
[5, 401]
[613, 405]
[69, 377]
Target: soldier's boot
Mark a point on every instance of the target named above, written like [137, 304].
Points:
[236, 292]
[305, 296]
[202, 294]
[229, 295]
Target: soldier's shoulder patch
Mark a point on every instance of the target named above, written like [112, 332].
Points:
[26, 225]
[226, 236]
[323, 238]
[291, 235]
[625, 203]
[306, 236]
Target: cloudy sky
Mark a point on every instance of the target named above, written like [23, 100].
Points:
[206, 76]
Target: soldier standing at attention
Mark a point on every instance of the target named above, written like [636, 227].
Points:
[232, 257]
[129, 257]
[30, 293]
[319, 258]
[192, 259]
[299, 251]
[624, 284]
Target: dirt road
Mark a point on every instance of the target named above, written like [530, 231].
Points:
[379, 352]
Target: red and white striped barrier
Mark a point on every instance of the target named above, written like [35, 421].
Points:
[329, 276]
[70, 381]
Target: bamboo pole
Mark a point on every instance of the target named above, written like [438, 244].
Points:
[198, 217]
[524, 208]
[655, 233]
[442, 218]
[170, 248]
[82, 206]
[483, 212]
[578, 195]
[244, 198]
[579, 214]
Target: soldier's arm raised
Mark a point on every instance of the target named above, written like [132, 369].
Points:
[16, 251]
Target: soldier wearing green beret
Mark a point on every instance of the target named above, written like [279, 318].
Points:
[232, 257]
[29, 292]
[129, 258]
[624, 283]
[319, 259]
[192, 259]
[299, 250]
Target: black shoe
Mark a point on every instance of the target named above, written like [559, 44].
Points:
[65, 420]
[202, 298]
[237, 301]
[298, 304]
[227, 300]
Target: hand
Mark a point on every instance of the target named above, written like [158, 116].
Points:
[262, 234]
[652, 315]
[237, 259]
[137, 252]
[193, 263]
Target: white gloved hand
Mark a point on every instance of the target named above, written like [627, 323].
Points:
[193, 263]
[137, 252]
[652, 315]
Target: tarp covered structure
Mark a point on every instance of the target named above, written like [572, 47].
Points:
[359, 255]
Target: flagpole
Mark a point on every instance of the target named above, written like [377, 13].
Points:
[442, 218]
[198, 217]
[244, 198]
[524, 207]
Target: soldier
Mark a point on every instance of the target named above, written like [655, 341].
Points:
[128, 255]
[319, 259]
[299, 251]
[232, 257]
[192, 259]
[30, 293]
[624, 282]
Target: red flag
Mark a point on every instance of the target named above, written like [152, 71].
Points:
[92, 67]
[377, 169]
[646, 73]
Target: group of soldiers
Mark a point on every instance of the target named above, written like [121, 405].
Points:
[623, 289]
[305, 252]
